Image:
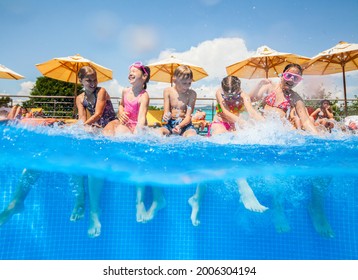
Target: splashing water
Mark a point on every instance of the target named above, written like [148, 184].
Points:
[262, 149]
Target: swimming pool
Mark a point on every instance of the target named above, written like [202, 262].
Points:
[270, 161]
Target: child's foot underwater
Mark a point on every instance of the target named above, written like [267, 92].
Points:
[154, 208]
[193, 202]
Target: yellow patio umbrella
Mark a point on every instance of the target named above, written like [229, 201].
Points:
[163, 70]
[264, 64]
[6, 73]
[342, 57]
[66, 69]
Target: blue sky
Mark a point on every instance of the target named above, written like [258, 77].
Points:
[209, 33]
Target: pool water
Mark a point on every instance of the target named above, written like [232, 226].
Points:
[271, 161]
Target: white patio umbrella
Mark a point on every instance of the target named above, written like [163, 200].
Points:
[6, 73]
[265, 63]
[163, 71]
[341, 58]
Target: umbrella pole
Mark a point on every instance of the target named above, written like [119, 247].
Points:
[266, 68]
[344, 91]
[74, 100]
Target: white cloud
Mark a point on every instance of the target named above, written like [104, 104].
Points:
[213, 56]
[113, 88]
[26, 88]
[156, 91]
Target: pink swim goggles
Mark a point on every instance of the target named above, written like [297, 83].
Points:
[292, 77]
[139, 65]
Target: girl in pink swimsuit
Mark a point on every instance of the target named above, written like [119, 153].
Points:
[132, 114]
[280, 98]
[133, 108]
[231, 102]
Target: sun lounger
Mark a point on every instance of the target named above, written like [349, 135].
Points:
[154, 118]
[35, 112]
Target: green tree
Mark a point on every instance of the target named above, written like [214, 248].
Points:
[353, 107]
[151, 107]
[5, 101]
[337, 110]
[61, 106]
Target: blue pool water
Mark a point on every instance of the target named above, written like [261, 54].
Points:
[271, 161]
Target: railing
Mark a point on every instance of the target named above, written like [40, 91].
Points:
[58, 107]
[55, 107]
[208, 104]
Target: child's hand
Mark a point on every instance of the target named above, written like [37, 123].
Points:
[177, 130]
[352, 125]
[265, 82]
[96, 125]
[123, 117]
[166, 117]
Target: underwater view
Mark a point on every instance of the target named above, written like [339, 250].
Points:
[302, 204]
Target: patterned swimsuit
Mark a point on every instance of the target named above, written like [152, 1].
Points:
[236, 107]
[271, 99]
[108, 113]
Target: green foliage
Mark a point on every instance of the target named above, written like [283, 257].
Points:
[5, 101]
[154, 108]
[60, 106]
[338, 110]
[353, 107]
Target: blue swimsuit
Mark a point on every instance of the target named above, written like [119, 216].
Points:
[173, 123]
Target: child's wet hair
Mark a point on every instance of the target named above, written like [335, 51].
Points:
[231, 84]
[86, 71]
[183, 72]
[293, 65]
[325, 101]
[145, 71]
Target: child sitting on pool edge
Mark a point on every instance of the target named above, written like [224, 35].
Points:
[132, 113]
[179, 104]
[232, 101]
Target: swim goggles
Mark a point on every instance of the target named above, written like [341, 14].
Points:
[231, 96]
[290, 76]
[139, 65]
